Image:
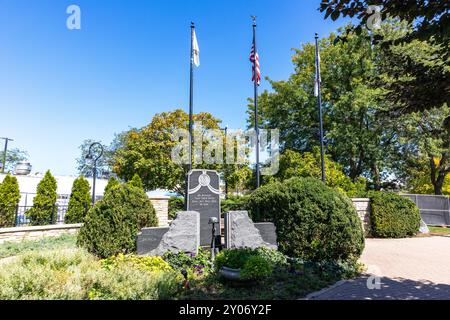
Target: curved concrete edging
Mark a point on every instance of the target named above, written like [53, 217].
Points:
[316, 294]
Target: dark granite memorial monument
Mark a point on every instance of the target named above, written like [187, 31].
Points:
[204, 197]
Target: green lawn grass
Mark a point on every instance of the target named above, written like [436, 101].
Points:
[8, 249]
[439, 230]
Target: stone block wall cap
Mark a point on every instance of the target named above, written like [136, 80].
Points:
[360, 199]
[41, 228]
[159, 197]
[241, 211]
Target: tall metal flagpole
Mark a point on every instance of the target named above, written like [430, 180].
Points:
[255, 84]
[191, 111]
[191, 97]
[319, 101]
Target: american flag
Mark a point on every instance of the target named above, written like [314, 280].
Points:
[254, 59]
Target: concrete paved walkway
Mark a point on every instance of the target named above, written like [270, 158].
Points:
[416, 268]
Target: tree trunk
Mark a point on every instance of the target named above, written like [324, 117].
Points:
[356, 169]
[438, 174]
[376, 177]
[438, 185]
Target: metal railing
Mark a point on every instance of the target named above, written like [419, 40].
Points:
[22, 218]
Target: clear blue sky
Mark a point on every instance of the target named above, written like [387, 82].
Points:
[129, 61]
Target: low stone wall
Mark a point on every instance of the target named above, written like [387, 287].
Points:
[362, 206]
[16, 234]
[161, 206]
[37, 232]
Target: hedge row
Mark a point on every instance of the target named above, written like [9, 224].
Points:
[393, 216]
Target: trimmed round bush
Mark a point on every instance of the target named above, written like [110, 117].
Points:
[256, 267]
[314, 222]
[393, 216]
[111, 226]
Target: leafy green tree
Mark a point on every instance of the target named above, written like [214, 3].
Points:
[425, 147]
[418, 178]
[240, 178]
[307, 164]
[12, 157]
[421, 121]
[9, 199]
[147, 151]
[414, 75]
[419, 84]
[356, 135]
[112, 182]
[79, 202]
[430, 18]
[44, 203]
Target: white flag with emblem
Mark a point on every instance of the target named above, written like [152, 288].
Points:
[195, 50]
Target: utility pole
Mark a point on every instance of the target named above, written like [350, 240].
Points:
[4, 153]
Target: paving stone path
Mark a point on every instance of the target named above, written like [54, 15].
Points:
[408, 269]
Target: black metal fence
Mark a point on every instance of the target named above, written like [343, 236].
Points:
[22, 218]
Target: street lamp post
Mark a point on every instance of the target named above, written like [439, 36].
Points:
[90, 157]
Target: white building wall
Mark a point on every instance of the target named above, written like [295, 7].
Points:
[28, 186]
